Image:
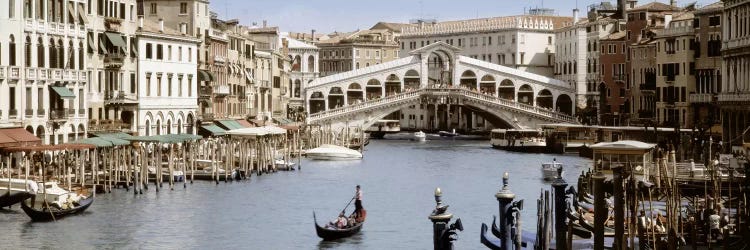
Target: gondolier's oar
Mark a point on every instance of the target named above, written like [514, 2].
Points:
[347, 204]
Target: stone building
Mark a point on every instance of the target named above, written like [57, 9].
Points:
[525, 42]
[734, 94]
[217, 65]
[272, 66]
[167, 89]
[675, 63]
[707, 27]
[112, 61]
[612, 93]
[348, 51]
[44, 72]
[304, 69]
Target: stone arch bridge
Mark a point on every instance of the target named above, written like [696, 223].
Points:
[436, 76]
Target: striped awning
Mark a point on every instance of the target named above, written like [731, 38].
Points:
[63, 92]
[213, 130]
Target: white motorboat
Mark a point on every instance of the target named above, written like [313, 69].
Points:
[333, 152]
[420, 136]
[13, 191]
[281, 164]
[550, 170]
[54, 195]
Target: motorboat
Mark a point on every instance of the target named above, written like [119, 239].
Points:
[448, 134]
[420, 136]
[519, 140]
[13, 191]
[281, 164]
[550, 170]
[333, 152]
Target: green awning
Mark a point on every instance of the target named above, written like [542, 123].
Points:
[214, 130]
[92, 45]
[101, 142]
[118, 135]
[229, 124]
[64, 92]
[204, 75]
[115, 39]
[169, 138]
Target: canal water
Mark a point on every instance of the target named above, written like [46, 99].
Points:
[274, 211]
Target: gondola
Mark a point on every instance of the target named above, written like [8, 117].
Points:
[55, 213]
[332, 234]
[8, 199]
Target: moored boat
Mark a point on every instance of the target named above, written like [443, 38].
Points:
[13, 191]
[448, 134]
[420, 136]
[333, 152]
[520, 140]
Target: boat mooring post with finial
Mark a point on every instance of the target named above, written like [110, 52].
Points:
[505, 201]
[442, 232]
[559, 186]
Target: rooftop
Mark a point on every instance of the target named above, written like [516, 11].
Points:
[655, 7]
[534, 22]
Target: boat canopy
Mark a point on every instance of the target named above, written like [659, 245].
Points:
[257, 131]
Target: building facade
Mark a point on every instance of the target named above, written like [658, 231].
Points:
[675, 56]
[734, 95]
[707, 26]
[304, 69]
[167, 91]
[44, 77]
[348, 51]
[525, 42]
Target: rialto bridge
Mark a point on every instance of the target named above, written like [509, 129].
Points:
[436, 77]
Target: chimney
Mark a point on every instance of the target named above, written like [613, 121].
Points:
[140, 22]
[161, 25]
[667, 20]
[673, 3]
[575, 16]
[621, 9]
[312, 35]
[265, 23]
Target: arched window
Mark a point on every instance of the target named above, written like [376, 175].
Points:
[52, 54]
[71, 56]
[80, 55]
[60, 54]
[27, 52]
[12, 51]
[40, 53]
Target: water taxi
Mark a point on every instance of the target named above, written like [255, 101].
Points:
[521, 140]
[383, 127]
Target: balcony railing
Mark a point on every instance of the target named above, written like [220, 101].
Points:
[649, 87]
[58, 114]
[12, 114]
[112, 23]
[221, 90]
[113, 60]
[701, 98]
[15, 72]
[735, 97]
[620, 77]
[205, 91]
[30, 74]
[29, 112]
[207, 117]
[40, 112]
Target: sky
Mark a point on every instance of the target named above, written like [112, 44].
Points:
[327, 16]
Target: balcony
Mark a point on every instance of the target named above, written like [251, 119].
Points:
[15, 72]
[109, 125]
[58, 114]
[30, 74]
[220, 59]
[221, 90]
[40, 112]
[647, 87]
[264, 83]
[57, 74]
[207, 117]
[119, 98]
[29, 113]
[12, 114]
[735, 97]
[620, 77]
[113, 60]
[43, 74]
[701, 98]
[205, 91]
[112, 24]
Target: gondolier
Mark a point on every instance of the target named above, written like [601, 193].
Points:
[358, 201]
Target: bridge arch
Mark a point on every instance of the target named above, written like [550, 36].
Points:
[335, 98]
[393, 85]
[354, 93]
[411, 80]
[564, 104]
[468, 80]
[373, 89]
[506, 90]
[488, 85]
[544, 99]
[440, 64]
[526, 94]
[317, 102]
